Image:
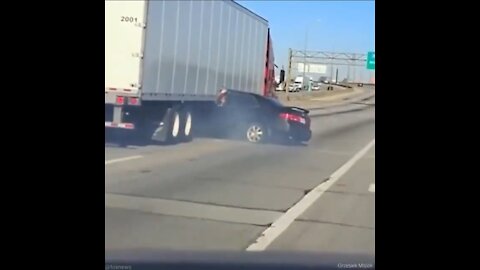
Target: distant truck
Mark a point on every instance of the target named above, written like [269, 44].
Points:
[301, 83]
[166, 61]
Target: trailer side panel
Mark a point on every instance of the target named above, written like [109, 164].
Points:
[194, 48]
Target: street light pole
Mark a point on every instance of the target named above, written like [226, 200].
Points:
[289, 73]
[305, 57]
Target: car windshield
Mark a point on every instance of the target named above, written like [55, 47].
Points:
[203, 152]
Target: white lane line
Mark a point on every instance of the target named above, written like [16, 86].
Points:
[371, 188]
[111, 161]
[281, 224]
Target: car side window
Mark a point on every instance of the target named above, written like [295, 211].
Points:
[242, 100]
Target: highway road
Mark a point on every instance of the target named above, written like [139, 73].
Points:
[214, 194]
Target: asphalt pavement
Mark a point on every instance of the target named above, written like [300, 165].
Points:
[215, 194]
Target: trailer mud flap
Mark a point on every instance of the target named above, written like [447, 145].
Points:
[161, 132]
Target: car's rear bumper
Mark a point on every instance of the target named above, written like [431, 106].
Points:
[301, 135]
[297, 132]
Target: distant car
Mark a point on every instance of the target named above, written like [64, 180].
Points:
[261, 119]
[316, 86]
[360, 85]
[294, 88]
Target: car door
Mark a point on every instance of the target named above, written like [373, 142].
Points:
[240, 109]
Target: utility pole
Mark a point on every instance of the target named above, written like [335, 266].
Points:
[331, 70]
[305, 57]
[353, 68]
[348, 69]
[287, 81]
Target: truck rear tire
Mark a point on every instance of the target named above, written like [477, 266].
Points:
[174, 128]
[186, 131]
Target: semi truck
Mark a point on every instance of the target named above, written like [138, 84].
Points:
[301, 83]
[166, 61]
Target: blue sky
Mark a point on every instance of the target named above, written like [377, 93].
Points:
[342, 26]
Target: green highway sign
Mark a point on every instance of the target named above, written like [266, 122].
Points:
[371, 60]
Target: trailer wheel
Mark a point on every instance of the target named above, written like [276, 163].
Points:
[186, 125]
[174, 129]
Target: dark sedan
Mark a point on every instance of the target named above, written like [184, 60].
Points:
[260, 119]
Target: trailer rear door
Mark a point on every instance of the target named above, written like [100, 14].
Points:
[124, 31]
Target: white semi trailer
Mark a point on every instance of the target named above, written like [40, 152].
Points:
[165, 62]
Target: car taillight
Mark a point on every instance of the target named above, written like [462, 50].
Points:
[120, 100]
[292, 117]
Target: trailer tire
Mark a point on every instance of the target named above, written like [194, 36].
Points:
[186, 130]
[174, 128]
